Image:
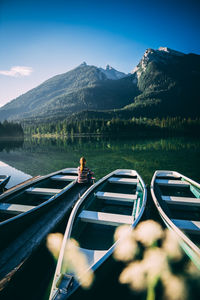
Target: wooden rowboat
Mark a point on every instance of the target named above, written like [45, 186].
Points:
[3, 181]
[118, 198]
[177, 199]
[20, 205]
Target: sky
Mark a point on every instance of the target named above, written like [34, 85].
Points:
[40, 39]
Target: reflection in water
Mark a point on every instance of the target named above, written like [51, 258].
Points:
[41, 156]
[10, 145]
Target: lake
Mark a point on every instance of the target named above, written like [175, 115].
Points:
[103, 155]
[42, 156]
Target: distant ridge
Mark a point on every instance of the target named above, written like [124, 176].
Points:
[164, 83]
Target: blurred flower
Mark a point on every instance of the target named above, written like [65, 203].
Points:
[155, 263]
[126, 247]
[174, 288]
[148, 232]
[192, 270]
[54, 242]
[76, 262]
[122, 231]
[171, 245]
[134, 275]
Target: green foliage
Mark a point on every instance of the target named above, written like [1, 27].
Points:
[133, 127]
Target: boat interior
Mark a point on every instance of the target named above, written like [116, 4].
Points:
[34, 194]
[181, 202]
[114, 202]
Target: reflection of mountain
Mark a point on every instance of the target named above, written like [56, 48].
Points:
[164, 83]
[43, 156]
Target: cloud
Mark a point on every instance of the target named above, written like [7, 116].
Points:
[17, 71]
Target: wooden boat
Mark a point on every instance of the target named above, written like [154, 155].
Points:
[118, 198]
[20, 205]
[3, 181]
[177, 199]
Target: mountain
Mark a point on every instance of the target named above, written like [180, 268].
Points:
[85, 87]
[168, 82]
[164, 83]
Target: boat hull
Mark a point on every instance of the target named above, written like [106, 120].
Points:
[10, 228]
[99, 223]
[177, 207]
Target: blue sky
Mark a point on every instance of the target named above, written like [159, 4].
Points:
[39, 39]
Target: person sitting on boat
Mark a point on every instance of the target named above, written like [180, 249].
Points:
[84, 174]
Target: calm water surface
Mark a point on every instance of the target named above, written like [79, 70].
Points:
[42, 156]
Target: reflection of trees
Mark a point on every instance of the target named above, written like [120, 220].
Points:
[11, 145]
[109, 144]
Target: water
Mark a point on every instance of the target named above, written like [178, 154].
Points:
[42, 156]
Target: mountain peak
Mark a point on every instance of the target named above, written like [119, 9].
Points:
[83, 64]
[170, 51]
[162, 55]
[108, 67]
[111, 73]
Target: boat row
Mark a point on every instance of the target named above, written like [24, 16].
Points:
[117, 199]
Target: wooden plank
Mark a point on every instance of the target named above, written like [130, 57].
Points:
[43, 191]
[187, 225]
[105, 218]
[123, 180]
[182, 200]
[64, 177]
[175, 183]
[14, 208]
[116, 196]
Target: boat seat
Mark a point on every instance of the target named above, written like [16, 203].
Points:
[64, 177]
[14, 208]
[182, 200]
[105, 218]
[93, 256]
[175, 183]
[128, 173]
[188, 226]
[168, 174]
[116, 196]
[43, 191]
[121, 180]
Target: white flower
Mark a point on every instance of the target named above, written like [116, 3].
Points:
[174, 288]
[134, 275]
[155, 263]
[148, 232]
[122, 231]
[54, 242]
[126, 247]
[192, 270]
[171, 245]
[76, 262]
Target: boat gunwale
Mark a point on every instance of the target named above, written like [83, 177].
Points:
[5, 180]
[70, 223]
[181, 235]
[45, 203]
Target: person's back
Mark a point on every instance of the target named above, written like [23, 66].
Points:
[84, 174]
